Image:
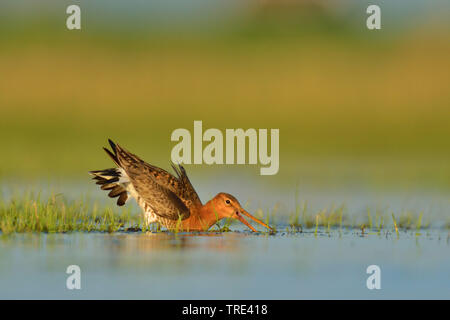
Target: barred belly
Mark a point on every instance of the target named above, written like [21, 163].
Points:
[151, 217]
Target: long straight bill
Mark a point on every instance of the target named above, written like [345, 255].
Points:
[254, 219]
[246, 223]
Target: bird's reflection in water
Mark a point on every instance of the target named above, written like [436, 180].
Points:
[172, 253]
[161, 253]
[148, 242]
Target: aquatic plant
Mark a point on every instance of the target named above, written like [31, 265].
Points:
[395, 224]
[58, 215]
[29, 213]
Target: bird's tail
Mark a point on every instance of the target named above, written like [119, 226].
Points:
[111, 179]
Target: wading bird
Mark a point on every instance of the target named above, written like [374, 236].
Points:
[171, 201]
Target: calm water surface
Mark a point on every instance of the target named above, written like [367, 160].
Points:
[236, 265]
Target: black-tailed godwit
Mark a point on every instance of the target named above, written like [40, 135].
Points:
[166, 199]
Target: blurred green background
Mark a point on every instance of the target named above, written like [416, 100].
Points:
[352, 105]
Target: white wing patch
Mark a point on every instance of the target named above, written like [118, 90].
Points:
[124, 180]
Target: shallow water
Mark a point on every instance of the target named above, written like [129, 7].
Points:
[236, 265]
[255, 194]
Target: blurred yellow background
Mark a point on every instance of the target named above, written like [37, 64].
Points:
[349, 102]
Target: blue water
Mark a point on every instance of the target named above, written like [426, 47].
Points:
[226, 266]
[237, 265]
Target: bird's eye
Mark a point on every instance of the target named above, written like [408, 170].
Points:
[227, 201]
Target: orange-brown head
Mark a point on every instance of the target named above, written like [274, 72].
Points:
[226, 206]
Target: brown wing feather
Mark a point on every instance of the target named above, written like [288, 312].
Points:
[181, 186]
[163, 202]
[163, 192]
[185, 187]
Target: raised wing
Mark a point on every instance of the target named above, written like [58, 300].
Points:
[163, 202]
[185, 189]
[168, 196]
